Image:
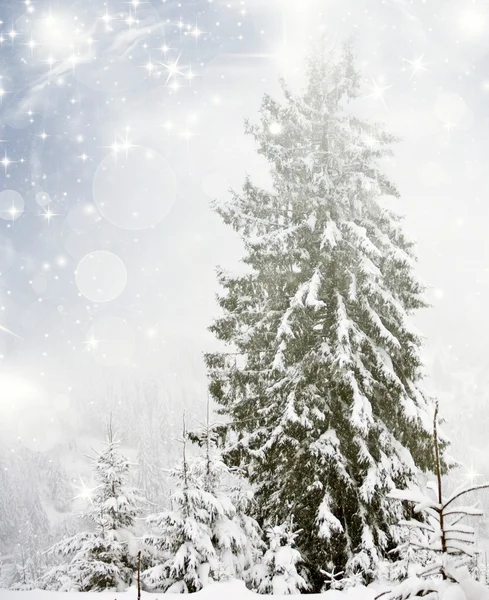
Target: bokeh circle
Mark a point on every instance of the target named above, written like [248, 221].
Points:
[135, 191]
[101, 276]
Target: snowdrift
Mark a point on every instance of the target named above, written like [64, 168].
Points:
[236, 590]
[229, 590]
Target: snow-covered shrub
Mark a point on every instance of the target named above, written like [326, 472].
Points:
[277, 573]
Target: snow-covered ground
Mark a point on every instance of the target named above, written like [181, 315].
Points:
[236, 590]
[230, 590]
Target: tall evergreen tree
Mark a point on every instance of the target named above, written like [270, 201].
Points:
[320, 377]
[105, 556]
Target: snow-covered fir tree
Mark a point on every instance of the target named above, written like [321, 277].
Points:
[105, 556]
[203, 537]
[320, 377]
[57, 484]
[410, 556]
[149, 458]
[235, 534]
[277, 572]
[20, 478]
[24, 523]
[27, 558]
[243, 500]
[22, 575]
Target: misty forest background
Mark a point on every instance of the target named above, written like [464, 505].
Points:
[60, 408]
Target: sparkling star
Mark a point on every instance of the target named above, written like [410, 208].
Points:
[48, 214]
[50, 60]
[173, 69]
[196, 32]
[12, 34]
[85, 492]
[73, 59]
[107, 19]
[130, 20]
[92, 344]
[150, 67]
[471, 475]
[121, 146]
[190, 75]
[13, 211]
[378, 92]
[31, 44]
[6, 162]
[417, 65]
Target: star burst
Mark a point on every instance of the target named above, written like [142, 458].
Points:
[6, 161]
[48, 215]
[417, 65]
[92, 343]
[378, 92]
[120, 144]
[85, 492]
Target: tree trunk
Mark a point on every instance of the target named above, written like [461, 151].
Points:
[438, 478]
[139, 575]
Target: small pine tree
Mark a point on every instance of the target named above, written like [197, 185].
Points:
[21, 478]
[150, 452]
[409, 558]
[235, 534]
[180, 543]
[26, 564]
[58, 485]
[277, 574]
[104, 558]
[21, 574]
[204, 537]
[251, 553]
